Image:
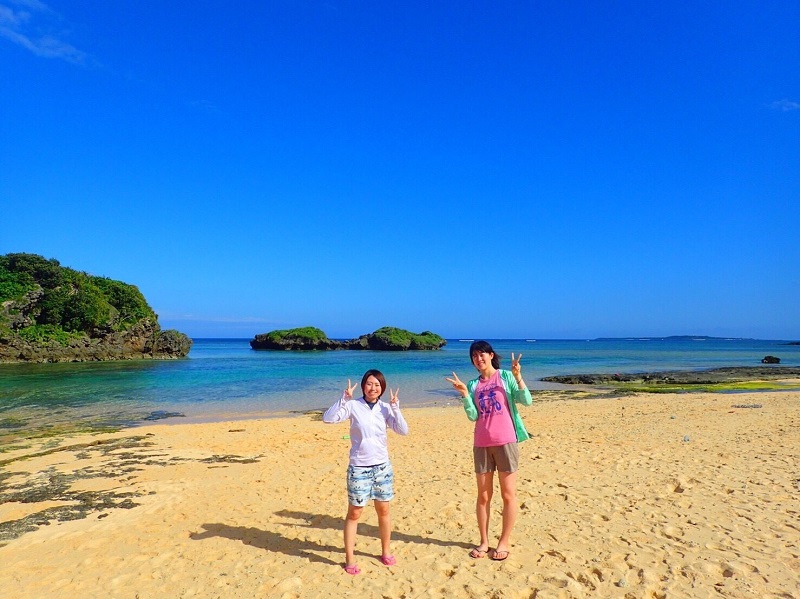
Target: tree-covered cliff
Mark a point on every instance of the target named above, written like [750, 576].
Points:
[51, 313]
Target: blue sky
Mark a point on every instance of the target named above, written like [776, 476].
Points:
[553, 169]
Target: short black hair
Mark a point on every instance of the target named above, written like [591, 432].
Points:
[378, 375]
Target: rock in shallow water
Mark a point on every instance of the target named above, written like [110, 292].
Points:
[162, 414]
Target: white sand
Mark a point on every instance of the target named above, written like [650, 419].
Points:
[614, 503]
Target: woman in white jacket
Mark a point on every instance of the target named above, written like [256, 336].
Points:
[369, 474]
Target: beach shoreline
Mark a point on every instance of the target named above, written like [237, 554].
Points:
[227, 377]
[581, 386]
[678, 495]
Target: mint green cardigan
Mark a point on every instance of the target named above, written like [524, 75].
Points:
[515, 395]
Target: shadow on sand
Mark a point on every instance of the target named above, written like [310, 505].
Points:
[274, 541]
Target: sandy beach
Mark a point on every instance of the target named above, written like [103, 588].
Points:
[662, 495]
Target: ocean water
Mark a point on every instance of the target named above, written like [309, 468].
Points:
[226, 378]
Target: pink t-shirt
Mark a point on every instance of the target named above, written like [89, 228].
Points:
[494, 425]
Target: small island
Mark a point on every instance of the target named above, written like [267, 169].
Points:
[312, 338]
[51, 313]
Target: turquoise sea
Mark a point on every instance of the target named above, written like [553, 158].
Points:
[225, 378]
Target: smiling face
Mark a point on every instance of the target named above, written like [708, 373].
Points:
[372, 389]
[482, 360]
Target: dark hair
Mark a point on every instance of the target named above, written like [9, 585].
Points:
[378, 375]
[484, 346]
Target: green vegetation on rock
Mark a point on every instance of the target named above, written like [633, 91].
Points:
[45, 333]
[312, 338]
[42, 292]
[732, 387]
[303, 338]
[49, 312]
[303, 334]
[400, 339]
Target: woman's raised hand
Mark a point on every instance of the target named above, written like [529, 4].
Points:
[516, 369]
[393, 396]
[349, 391]
[458, 385]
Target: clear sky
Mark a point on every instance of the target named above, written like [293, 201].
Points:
[524, 169]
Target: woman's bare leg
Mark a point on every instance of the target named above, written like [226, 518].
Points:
[384, 525]
[485, 482]
[350, 528]
[508, 490]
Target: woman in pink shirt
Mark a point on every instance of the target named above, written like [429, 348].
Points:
[490, 401]
[369, 474]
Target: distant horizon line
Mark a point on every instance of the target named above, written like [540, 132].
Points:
[534, 340]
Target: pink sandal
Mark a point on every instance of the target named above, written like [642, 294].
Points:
[352, 569]
[388, 560]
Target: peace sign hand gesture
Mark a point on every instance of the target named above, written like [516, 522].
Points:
[393, 396]
[458, 385]
[349, 391]
[516, 369]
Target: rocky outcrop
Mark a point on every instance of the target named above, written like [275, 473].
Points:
[305, 338]
[52, 313]
[312, 338]
[393, 339]
[770, 360]
[144, 340]
[21, 313]
[695, 377]
[171, 344]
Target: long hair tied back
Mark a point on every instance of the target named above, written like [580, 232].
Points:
[481, 346]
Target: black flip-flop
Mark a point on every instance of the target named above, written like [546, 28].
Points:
[478, 553]
[495, 555]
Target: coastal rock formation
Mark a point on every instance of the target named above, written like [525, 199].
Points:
[770, 360]
[143, 340]
[303, 338]
[50, 313]
[394, 339]
[312, 338]
[694, 377]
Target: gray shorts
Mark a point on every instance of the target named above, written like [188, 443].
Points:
[504, 458]
[371, 482]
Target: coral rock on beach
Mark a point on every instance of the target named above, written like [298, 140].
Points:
[694, 377]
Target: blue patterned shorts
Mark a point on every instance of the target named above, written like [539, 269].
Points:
[371, 482]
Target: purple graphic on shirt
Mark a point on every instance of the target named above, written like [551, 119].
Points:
[488, 402]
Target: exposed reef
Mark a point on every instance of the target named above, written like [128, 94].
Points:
[732, 374]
